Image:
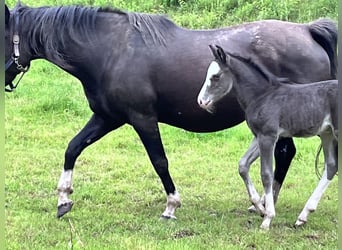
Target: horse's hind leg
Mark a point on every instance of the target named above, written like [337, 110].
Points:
[95, 129]
[148, 131]
[330, 169]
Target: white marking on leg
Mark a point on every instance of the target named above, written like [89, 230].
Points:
[314, 199]
[64, 187]
[261, 206]
[330, 170]
[173, 202]
[269, 211]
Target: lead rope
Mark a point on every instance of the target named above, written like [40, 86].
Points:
[13, 87]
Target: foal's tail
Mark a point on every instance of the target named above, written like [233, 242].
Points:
[324, 32]
[317, 170]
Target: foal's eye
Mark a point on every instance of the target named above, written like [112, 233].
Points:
[215, 77]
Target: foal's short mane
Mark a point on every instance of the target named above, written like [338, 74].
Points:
[263, 71]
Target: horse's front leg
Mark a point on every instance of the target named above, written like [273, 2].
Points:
[244, 165]
[147, 128]
[266, 147]
[284, 152]
[95, 129]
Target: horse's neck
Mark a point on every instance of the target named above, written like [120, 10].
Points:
[66, 44]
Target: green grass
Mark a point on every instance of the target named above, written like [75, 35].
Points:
[118, 196]
[214, 13]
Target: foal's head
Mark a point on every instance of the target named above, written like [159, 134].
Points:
[219, 80]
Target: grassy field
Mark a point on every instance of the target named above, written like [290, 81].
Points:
[118, 196]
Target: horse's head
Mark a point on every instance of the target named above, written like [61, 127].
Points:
[16, 59]
[219, 80]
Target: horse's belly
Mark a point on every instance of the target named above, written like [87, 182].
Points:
[203, 121]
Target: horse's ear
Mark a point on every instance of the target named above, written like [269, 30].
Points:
[222, 56]
[7, 14]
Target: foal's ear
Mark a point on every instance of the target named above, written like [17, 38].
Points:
[222, 56]
[7, 14]
[214, 51]
[219, 53]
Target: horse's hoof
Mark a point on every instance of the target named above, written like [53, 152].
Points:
[299, 223]
[168, 217]
[63, 209]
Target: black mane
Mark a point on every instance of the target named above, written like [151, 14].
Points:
[151, 26]
[54, 27]
[156, 28]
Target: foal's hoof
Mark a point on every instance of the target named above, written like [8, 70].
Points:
[63, 209]
[168, 217]
[299, 223]
[252, 209]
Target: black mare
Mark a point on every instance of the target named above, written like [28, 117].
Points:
[141, 69]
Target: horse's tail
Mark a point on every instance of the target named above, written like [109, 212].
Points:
[324, 32]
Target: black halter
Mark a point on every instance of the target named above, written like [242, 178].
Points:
[15, 56]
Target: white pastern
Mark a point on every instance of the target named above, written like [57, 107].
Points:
[214, 68]
[269, 211]
[173, 202]
[314, 199]
[64, 187]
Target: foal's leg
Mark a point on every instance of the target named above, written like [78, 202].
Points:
[330, 169]
[266, 147]
[244, 165]
[94, 130]
[284, 152]
[148, 131]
